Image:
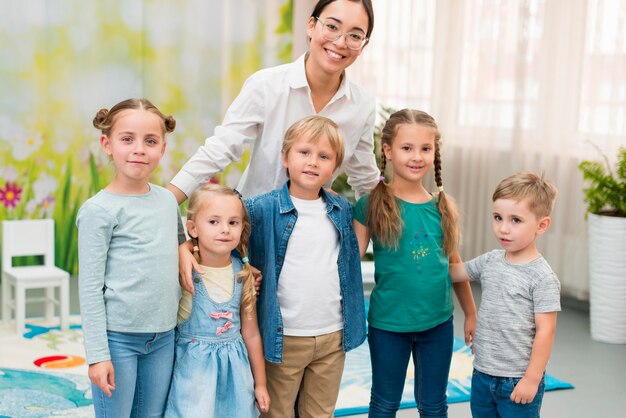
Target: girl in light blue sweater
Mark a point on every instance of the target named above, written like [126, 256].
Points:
[128, 267]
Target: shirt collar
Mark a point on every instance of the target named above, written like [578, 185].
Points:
[285, 203]
[297, 79]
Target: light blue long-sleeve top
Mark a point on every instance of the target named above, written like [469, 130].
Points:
[128, 266]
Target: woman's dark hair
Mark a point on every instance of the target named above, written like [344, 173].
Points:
[367, 5]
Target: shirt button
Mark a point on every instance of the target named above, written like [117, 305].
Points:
[279, 329]
[279, 259]
[196, 280]
[288, 226]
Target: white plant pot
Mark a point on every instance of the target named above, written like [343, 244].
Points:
[607, 278]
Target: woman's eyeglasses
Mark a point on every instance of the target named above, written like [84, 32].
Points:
[332, 32]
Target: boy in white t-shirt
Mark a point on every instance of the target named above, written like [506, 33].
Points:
[310, 307]
[519, 303]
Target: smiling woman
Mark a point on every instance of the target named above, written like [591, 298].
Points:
[316, 83]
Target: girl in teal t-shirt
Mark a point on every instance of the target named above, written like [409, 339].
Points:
[415, 235]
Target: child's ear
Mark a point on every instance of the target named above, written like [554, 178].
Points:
[284, 158]
[387, 151]
[191, 229]
[106, 144]
[544, 224]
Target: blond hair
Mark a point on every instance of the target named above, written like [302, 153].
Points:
[313, 128]
[199, 198]
[105, 119]
[383, 213]
[539, 192]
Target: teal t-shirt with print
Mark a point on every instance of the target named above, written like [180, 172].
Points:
[413, 291]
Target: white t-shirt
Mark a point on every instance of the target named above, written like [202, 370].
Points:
[270, 101]
[308, 286]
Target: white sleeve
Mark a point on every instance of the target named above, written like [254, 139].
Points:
[242, 124]
[361, 168]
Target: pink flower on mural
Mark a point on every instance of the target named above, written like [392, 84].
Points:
[10, 195]
[47, 204]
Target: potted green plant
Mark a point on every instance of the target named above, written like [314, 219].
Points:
[605, 195]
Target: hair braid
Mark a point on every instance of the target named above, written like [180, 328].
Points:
[437, 165]
[447, 208]
[383, 164]
[200, 197]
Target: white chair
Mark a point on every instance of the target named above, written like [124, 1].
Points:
[28, 238]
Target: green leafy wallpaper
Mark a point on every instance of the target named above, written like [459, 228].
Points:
[61, 61]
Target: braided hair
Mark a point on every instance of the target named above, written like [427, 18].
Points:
[383, 213]
[197, 201]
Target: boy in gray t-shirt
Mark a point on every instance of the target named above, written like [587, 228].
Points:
[520, 299]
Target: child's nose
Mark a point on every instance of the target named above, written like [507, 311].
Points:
[139, 147]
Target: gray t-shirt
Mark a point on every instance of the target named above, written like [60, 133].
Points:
[128, 266]
[511, 296]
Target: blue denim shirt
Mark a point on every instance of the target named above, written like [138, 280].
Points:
[273, 217]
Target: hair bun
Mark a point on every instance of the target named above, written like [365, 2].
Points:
[170, 124]
[100, 118]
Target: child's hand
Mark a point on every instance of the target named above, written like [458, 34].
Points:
[258, 277]
[262, 399]
[524, 391]
[469, 328]
[186, 264]
[102, 375]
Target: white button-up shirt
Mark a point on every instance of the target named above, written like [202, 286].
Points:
[270, 101]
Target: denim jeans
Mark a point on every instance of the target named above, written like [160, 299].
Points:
[143, 364]
[491, 397]
[432, 354]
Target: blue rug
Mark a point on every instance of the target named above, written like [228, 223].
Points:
[354, 394]
[39, 376]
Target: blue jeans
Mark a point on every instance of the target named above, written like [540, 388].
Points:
[142, 364]
[432, 354]
[491, 397]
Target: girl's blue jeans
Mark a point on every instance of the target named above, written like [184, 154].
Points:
[390, 353]
[142, 364]
[491, 397]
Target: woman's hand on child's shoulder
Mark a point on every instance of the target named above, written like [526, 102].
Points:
[102, 375]
[186, 264]
[262, 398]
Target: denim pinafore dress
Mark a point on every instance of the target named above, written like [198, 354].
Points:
[212, 375]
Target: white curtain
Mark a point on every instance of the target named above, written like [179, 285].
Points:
[514, 85]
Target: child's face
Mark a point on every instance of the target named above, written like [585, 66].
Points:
[412, 152]
[334, 57]
[516, 228]
[217, 225]
[311, 164]
[136, 144]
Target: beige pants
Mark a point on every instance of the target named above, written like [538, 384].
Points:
[311, 365]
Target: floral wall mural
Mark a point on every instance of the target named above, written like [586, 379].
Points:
[61, 61]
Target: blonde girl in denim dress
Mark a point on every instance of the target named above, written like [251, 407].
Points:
[219, 369]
